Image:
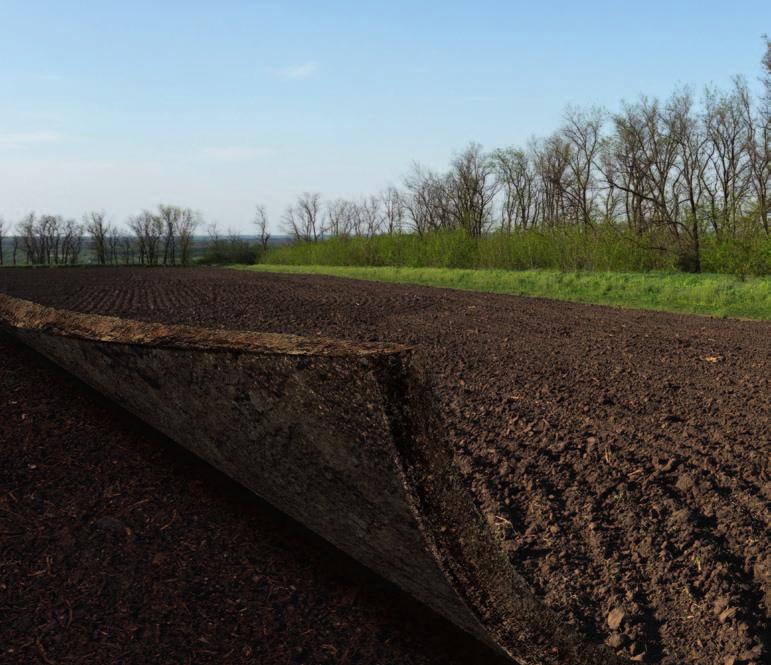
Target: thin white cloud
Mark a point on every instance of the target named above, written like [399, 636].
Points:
[297, 72]
[234, 153]
[18, 139]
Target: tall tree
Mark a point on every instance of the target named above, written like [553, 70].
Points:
[303, 220]
[552, 165]
[340, 218]
[471, 188]
[426, 201]
[582, 131]
[520, 205]
[726, 174]
[393, 210]
[99, 230]
[169, 220]
[261, 222]
[186, 223]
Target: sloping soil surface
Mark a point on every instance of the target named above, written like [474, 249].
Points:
[622, 456]
[117, 546]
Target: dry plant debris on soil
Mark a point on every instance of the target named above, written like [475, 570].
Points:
[621, 456]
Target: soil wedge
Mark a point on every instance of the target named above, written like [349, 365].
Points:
[344, 438]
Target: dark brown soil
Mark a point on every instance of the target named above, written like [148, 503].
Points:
[621, 456]
[117, 546]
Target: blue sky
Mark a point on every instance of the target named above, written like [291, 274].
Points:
[218, 106]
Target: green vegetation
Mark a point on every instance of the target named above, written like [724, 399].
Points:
[603, 248]
[226, 251]
[716, 295]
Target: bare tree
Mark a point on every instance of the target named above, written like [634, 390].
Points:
[50, 231]
[757, 140]
[185, 225]
[641, 163]
[552, 158]
[303, 220]
[28, 241]
[136, 226]
[369, 218]
[582, 131]
[471, 187]
[517, 178]
[426, 202]
[169, 220]
[155, 231]
[692, 162]
[293, 225]
[99, 230]
[72, 242]
[2, 236]
[41, 238]
[766, 62]
[47, 239]
[726, 176]
[127, 249]
[147, 229]
[261, 222]
[341, 215]
[14, 248]
[113, 244]
[393, 210]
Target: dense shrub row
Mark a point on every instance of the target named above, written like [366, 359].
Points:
[604, 248]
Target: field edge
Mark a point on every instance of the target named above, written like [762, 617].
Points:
[721, 296]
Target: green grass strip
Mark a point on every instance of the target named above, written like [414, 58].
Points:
[707, 294]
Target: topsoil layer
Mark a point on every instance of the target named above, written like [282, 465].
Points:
[621, 456]
[117, 546]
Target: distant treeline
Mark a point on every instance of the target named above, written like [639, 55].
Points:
[164, 237]
[160, 238]
[658, 184]
[670, 181]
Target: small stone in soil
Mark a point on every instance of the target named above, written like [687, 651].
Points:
[727, 614]
[615, 618]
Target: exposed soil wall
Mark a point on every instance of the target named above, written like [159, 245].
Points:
[118, 546]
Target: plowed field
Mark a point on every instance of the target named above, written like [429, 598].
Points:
[621, 456]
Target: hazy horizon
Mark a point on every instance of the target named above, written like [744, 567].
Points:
[218, 109]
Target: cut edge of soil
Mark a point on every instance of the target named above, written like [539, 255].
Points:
[457, 538]
[17, 313]
[440, 629]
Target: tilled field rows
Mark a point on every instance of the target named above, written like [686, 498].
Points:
[622, 456]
